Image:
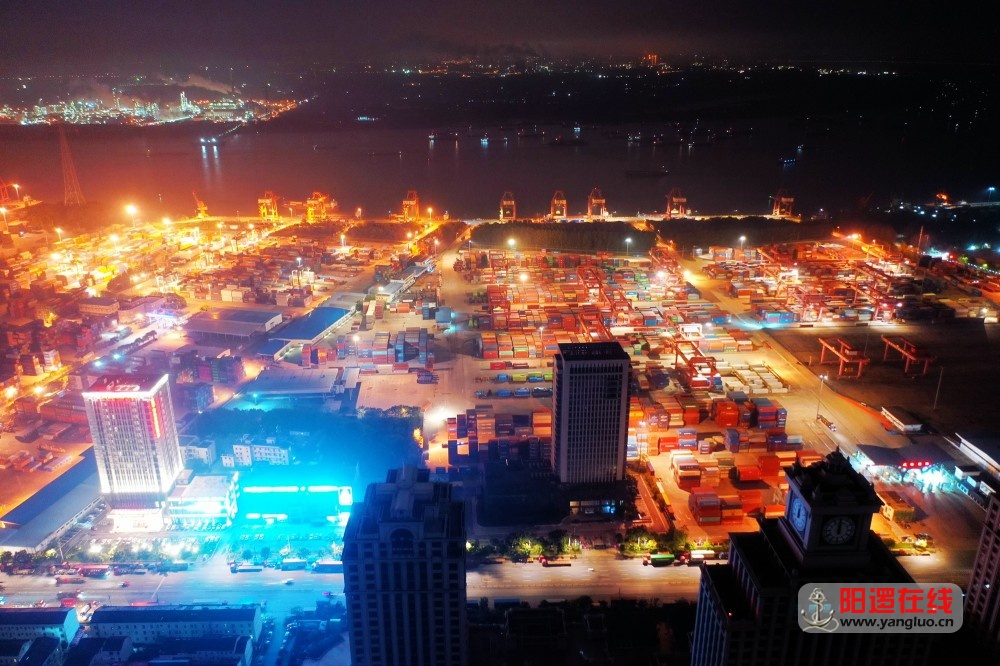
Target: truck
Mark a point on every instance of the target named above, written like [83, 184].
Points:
[246, 568]
[70, 580]
[328, 566]
[659, 560]
[292, 564]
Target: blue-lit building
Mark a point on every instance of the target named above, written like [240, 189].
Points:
[297, 494]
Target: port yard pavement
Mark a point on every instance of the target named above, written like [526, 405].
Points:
[967, 350]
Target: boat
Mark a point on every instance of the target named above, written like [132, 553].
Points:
[443, 136]
[646, 173]
[563, 141]
[788, 160]
[385, 153]
[533, 133]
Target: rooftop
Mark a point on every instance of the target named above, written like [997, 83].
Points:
[40, 616]
[125, 384]
[313, 326]
[233, 321]
[185, 613]
[209, 485]
[592, 351]
[293, 381]
[407, 499]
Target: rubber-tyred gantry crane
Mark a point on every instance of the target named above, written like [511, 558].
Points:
[851, 362]
[907, 351]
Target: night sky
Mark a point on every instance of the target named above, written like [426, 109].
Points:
[39, 34]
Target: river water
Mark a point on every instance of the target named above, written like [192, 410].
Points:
[373, 167]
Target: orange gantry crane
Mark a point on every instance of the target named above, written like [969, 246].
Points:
[851, 361]
[907, 351]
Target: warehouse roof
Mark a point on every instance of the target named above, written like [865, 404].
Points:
[314, 326]
[32, 522]
[232, 321]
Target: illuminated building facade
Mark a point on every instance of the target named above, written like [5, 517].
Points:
[208, 500]
[135, 444]
[748, 610]
[590, 382]
[404, 573]
[982, 601]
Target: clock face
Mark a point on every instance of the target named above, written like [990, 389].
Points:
[838, 530]
[798, 513]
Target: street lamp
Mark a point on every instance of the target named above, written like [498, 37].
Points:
[58, 232]
[511, 243]
[436, 242]
[357, 213]
[628, 246]
[343, 239]
[989, 193]
[4, 211]
[743, 239]
[131, 210]
[17, 190]
[819, 396]
[430, 213]
[114, 239]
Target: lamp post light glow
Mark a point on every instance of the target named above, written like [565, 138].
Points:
[511, 243]
[628, 246]
[343, 239]
[819, 395]
[59, 232]
[131, 210]
[17, 190]
[4, 212]
[989, 193]
[743, 239]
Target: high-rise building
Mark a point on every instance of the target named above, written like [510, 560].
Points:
[982, 601]
[590, 400]
[404, 573]
[135, 444]
[748, 609]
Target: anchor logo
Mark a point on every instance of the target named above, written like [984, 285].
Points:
[815, 619]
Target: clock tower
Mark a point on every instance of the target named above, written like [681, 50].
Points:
[828, 515]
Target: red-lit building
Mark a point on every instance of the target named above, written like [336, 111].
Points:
[136, 446]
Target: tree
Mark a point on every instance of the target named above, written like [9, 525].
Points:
[247, 554]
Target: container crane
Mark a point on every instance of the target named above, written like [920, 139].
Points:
[557, 211]
[200, 205]
[596, 206]
[508, 207]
